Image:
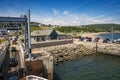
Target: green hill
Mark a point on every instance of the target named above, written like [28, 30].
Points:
[90, 28]
[37, 26]
[82, 28]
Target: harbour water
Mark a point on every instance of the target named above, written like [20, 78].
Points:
[109, 35]
[94, 67]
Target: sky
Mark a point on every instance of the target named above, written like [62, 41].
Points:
[64, 12]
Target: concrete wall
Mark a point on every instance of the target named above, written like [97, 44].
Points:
[48, 67]
[50, 43]
[47, 59]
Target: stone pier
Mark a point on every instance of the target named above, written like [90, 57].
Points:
[106, 48]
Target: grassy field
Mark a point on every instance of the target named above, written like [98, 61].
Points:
[89, 28]
[38, 28]
[2, 40]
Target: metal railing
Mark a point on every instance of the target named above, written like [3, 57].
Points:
[3, 50]
[32, 77]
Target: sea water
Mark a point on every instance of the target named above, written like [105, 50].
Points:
[109, 35]
[94, 67]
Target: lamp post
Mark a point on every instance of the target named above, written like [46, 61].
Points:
[112, 34]
[29, 34]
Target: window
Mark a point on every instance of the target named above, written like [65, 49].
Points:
[38, 39]
[42, 38]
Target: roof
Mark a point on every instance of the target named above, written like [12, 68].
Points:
[41, 32]
[60, 33]
[44, 32]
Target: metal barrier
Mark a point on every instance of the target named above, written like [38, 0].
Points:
[4, 61]
[3, 53]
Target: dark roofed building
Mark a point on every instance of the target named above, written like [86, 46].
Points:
[43, 35]
[3, 32]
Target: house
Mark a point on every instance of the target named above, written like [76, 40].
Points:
[44, 35]
[35, 24]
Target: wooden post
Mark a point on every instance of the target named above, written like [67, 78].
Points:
[96, 46]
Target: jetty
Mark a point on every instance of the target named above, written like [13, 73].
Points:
[106, 48]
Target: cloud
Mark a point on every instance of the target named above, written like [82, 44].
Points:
[55, 11]
[65, 18]
[48, 20]
[74, 22]
[65, 12]
[76, 19]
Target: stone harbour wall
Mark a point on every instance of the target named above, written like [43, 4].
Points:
[67, 52]
[105, 48]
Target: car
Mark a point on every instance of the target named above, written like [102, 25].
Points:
[14, 42]
[106, 40]
[13, 49]
[89, 39]
[13, 78]
[15, 39]
[13, 62]
[96, 39]
[32, 56]
[117, 41]
[10, 38]
[81, 38]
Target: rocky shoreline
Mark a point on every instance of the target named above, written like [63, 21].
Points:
[67, 52]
